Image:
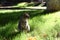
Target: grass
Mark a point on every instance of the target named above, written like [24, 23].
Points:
[26, 4]
[44, 26]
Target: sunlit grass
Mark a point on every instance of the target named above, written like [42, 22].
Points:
[10, 11]
[43, 27]
[24, 4]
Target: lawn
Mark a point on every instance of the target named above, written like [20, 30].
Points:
[44, 25]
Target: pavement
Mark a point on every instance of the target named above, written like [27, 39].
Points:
[37, 7]
[15, 7]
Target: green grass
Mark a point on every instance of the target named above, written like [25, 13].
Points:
[25, 4]
[44, 26]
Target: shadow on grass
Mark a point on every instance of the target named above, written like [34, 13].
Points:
[8, 32]
[5, 18]
[40, 12]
